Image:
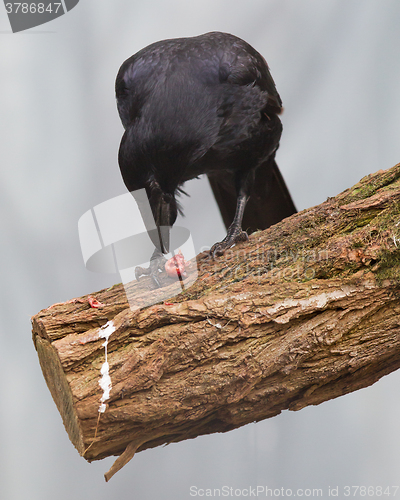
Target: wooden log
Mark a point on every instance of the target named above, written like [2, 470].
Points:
[304, 312]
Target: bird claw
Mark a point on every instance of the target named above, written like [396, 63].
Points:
[229, 240]
[156, 265]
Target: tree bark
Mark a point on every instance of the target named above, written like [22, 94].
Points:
[304, 312]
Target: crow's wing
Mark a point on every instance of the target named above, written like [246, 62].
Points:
[270, 200]
[211, 58]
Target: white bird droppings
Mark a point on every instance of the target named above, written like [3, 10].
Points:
[105, 380]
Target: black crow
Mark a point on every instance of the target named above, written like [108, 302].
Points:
[203, 105]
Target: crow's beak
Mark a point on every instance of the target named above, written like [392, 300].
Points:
[158, 210]
[163, 225]
[161, 207]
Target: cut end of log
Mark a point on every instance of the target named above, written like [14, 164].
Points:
[60, 390]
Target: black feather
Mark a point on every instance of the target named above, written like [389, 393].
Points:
[206, 104]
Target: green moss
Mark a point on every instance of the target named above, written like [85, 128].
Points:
[370, 184]
[389, 267]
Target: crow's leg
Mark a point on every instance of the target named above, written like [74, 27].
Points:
[235, 233]
[157, 264]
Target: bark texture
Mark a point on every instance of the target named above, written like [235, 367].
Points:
[304, 312]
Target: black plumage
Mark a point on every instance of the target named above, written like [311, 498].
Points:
[203, 105]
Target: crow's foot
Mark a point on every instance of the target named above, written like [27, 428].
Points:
[157, 264]
[230, 239]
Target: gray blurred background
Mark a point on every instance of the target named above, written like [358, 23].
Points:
[337, 67]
